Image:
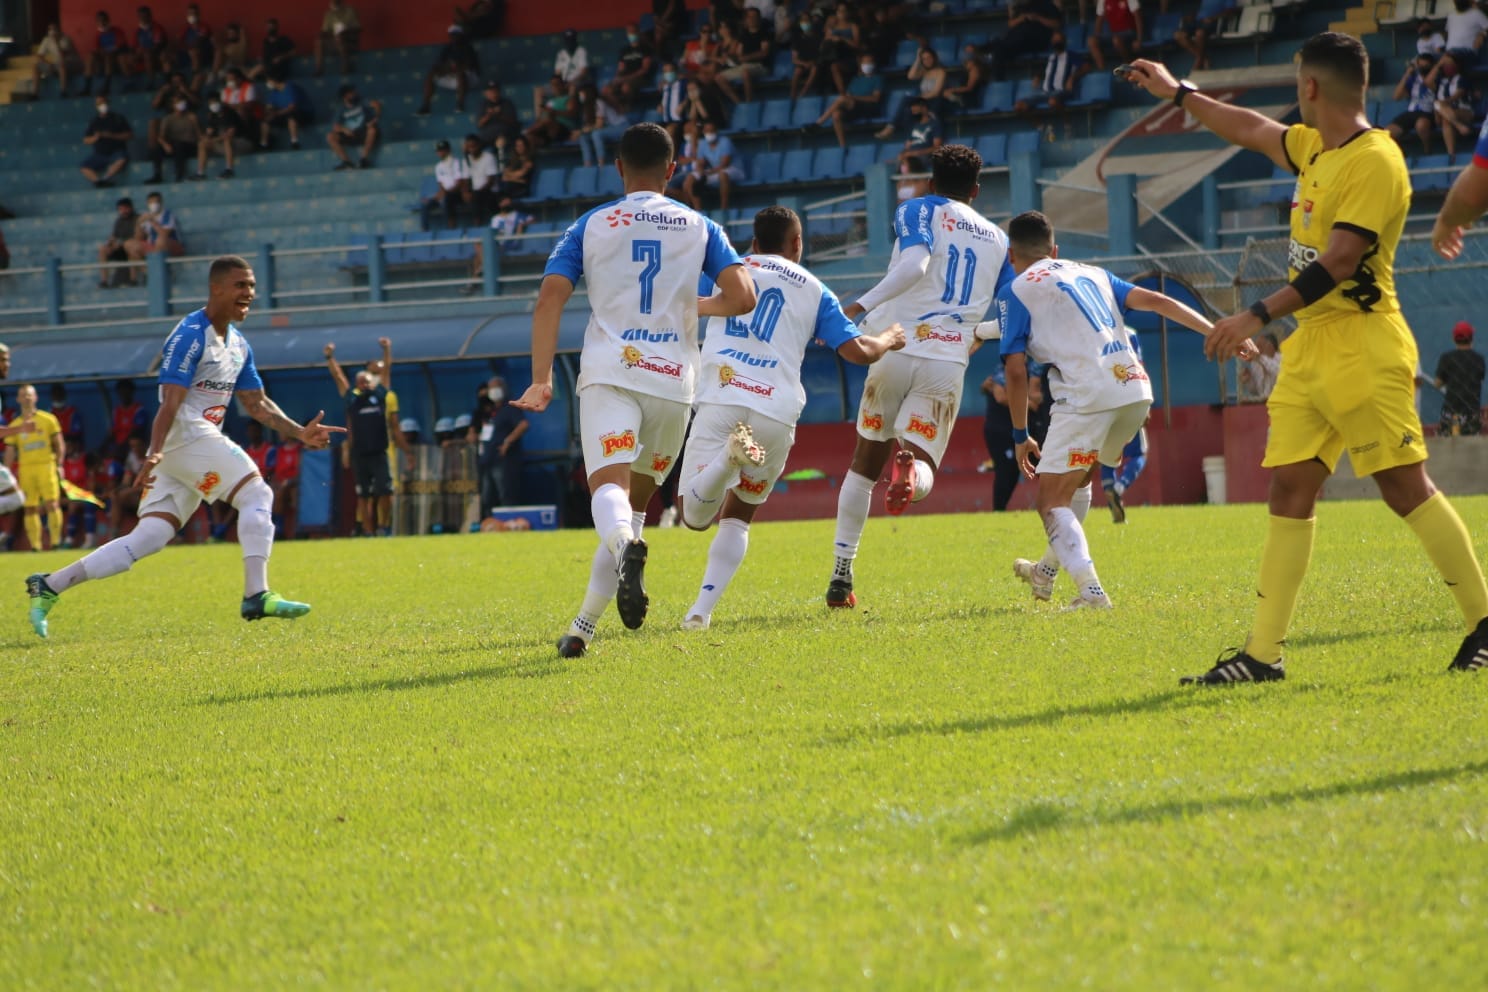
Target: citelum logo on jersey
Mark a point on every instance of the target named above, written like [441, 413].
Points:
[924, 428]
[214, 414]
[617, 217]
[872, 421]
[1082, 459]
[614, 442]
[728, 377]
[1128, 373]
[975, 230]
[646, 217]
[948, 222]
[755, 487]
[631, 358]
[927, 332]
[660, 463]
[208, 482]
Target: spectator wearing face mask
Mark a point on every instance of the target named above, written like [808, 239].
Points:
[194, 53]
[226, 134]
[241, 95]
[806, 46]
[109, 49]
[673, 106]
[112, 250]
[1454, 105]
[108, 135]
[498, 428]
[230, 50]
[457, 67]
[861, 101]
[277, 56]
[157, 231]
[632, 70]
[176, 138]
[1429, 41]
[55, 56]
[151, 46]
[287, 106]
[717, 166]
[356, 123]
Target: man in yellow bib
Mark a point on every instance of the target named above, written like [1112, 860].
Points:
[1347, 374]
[35, 453]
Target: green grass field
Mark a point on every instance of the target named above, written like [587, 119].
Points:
[950, 787]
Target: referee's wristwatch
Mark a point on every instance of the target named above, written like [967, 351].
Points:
[1184, 89]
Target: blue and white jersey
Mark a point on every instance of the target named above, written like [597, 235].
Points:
[968, 265]
[755, 360]
[642, 256]
[212, 368]
[1068, 316]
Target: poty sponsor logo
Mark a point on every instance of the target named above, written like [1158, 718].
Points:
[642, 334]
[755, 487]
[872, 421]
[924, 428]
[613, 442]
[214, 414]
[631, 358]
[728, 377]
[927, 332]
[660, 463]
[748, 359]
[1082, 459]
[1128, 373]
[208, 482]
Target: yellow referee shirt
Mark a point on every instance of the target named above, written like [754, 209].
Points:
[34, 447]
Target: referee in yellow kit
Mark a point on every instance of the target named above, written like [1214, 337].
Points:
[35, 452]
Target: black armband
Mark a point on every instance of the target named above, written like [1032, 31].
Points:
[1313, 283]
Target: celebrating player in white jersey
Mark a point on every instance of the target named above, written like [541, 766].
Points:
[642, 256]
[204, 363]
[751, 395]
[948, 263]
[1068, 316]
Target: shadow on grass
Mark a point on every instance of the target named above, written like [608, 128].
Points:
[1325, 638]
[1038, 817]
[533, 668]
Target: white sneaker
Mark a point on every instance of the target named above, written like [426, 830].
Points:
[1090, 603]
[668, 517]
[695, 622]
[742, 448]
[1043, 587]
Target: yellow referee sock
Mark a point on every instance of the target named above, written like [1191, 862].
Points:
[33, 529]
[54, 526]
[1284, 561]
[1450, 549]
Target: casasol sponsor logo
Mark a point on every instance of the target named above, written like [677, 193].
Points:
[214, 414]
[728, 377]
[1082, 459]
[872, 422]
[631, 358]
[755, 487]
[660, 463]
[1128, 373]
[928, 332]
[924, 428]
[207, 483]
[614, 441]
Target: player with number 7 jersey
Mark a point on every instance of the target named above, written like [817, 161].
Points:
[641, 257]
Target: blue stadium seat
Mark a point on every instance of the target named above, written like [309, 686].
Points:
[892, 104]
[584, 182]
[454, 252]
[859, 158]
[797, 166]
[1027, 89]
[392, 251]
[552, 182]
[766, 168]
[904, 55]
[992, 148]
[1430, 182]
[947, 47]
[1024, 141]
[1164, 26]
[776, 115]
[1387, 110]
[1095, 88]
[610, 183]
[1074, 37]
[827, 163]
[997, 98]
[808, 109]
[747, 116]
[356, 258]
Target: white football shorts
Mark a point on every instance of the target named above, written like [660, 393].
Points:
[1077, 441]
[710, 432]
[205, 469]
[912, 399]
[621, 427]
[11, 497]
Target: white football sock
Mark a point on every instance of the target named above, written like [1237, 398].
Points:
[255, 505]
[1067, 538]
[924, 481]
[853, 502]
[637, 523]
[603, 580]
[119, 555]
[610, 506]
[1080, 506]
[706, 489]
[724, 556]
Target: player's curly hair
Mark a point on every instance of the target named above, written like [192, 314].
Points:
[954, 170]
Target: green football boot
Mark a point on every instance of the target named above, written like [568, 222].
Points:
[42, 601]
[271, 604]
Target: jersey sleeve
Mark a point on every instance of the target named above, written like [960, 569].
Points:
[912, 224]
[183, 350]
[1120, 289]
[567, 259]
[1299, 143]
[1480, 154]
[1013, 316]
[249, 377]
[392, 403]
[718, 253]
[832, 325]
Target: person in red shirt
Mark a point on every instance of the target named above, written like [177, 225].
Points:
[261, 451]
[129, 416]
[77, 468]
[1124, 18]
[151, 46]
[287, 485]
[68, 417]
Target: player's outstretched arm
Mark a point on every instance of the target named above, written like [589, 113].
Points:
[1466, 202]
[1237, 125]
[337, 376]
[735, 294]
[869, 348]
[1181, 313]
[552, 297]
[312, 434]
